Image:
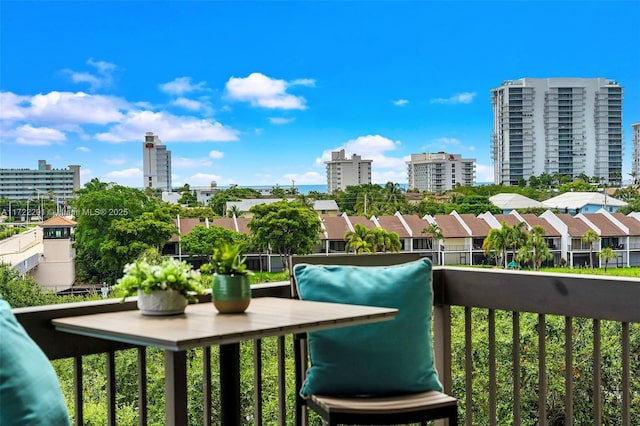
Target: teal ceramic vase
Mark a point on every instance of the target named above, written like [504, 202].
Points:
[231, 294]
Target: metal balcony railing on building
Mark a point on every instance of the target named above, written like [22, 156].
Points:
[514, 347]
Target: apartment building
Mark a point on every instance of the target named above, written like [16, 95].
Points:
[439, 171]
[635, 166]
[156, 160]
[29, 184]
[570, 126]
[343, 171]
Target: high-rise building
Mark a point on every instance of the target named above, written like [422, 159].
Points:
[439, 171]
[27, 184]
[567, 126]
[156, 163]
[343, 171]
[635, 167]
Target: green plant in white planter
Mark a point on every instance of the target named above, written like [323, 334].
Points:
[231, 289]
[163, 288]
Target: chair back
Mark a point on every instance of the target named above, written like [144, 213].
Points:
[300, 340]
[378, 259]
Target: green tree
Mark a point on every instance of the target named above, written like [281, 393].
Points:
[21, 291]
[535, 250]
[201, 240]
[127, 238]
[590, 237]
[436, 236]
[285, 227]
[359, 240]
[607, 254]
[233, 211]
[516, 237]
[497, 241]
[383, 241]
[577, 186]
[278, 192]
[97, 206]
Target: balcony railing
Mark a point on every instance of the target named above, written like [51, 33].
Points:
[515, 347]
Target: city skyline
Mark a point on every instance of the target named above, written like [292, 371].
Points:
[261, 93]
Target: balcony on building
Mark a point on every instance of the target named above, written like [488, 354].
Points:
[524, 346]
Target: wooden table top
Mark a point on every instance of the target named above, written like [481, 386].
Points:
[202, 325]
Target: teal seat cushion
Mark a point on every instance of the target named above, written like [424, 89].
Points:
[384, 358]
[30, 393]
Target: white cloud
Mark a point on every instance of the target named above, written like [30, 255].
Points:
[458, 98]
[171, 128]
[182, 85]
[189, 163]
[484, 173]
[444, 141]
[83, 149]
[119, 175]
[116, 161]
[400, 102]
[103, 76]
[189, 104]
[390, 175]
[38, 136]
[281, 120]
[62, 108]
[12, 106]
[202, 179]
[303, 82]
[216, 155]
[266, 92]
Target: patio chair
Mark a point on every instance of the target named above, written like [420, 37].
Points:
[372, 374]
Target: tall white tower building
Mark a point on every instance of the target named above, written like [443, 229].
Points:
[570, 126]
[156, 163]
[343, 171]
[439, 171]
[635, 166]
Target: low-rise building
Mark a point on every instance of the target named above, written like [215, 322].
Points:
[45, 181]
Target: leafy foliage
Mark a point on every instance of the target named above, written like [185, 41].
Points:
[20, 291]
[590, 237]
[607, 254]
[169, 274]
[364, 240]
[228, 259]
[115, 225]
[535, 250]
[287, 228]
[201, 241]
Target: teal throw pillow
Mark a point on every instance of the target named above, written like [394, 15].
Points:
[384, 358]
[30, 393]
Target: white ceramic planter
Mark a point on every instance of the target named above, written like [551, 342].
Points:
[161, 302]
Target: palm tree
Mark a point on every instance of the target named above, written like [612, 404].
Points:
[516, 236]
[234, 210]
[436, 236]
[607, 254]
[359, 240]
[392, 192]
[383, 240]
[535, 249]
[497, 241]
[590, 237]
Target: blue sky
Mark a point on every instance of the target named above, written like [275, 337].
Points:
[260, 93]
